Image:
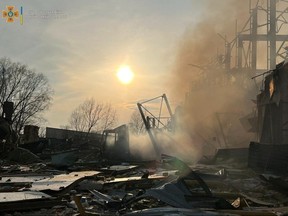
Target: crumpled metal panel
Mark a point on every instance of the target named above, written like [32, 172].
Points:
[23, 179]
[23, 195]
[59, 182]
[177, 195]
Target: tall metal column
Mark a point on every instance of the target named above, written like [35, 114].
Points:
[272, 34]
[228, 56]
[240, 50]
[254, 38]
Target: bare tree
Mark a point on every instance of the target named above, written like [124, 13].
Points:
[29, 91]
[136, 124]
[109, 117]
[77, 119]
[92, 115]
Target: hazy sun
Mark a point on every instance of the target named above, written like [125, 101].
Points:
[125, 74]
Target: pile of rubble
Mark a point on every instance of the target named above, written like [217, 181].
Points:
[165, 187]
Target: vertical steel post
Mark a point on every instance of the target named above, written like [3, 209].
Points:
[240, 50]
[147, 126]
[168, 105]
[254, 38]
[272, 34]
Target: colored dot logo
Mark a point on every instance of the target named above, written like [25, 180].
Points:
[10, 14]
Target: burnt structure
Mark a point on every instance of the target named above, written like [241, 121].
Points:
[8, 137]
[31, 133]
[115, 143]
[271, 153]
[272, 105]
[256, 48]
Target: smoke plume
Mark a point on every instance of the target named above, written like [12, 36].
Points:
[215, 100]
[200, 43]
[170, 144]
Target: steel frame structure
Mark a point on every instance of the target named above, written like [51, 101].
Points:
[155, 123]
[247, 40]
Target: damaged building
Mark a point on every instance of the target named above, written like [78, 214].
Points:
[271, 152]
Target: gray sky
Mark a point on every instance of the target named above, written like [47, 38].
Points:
[79, 45]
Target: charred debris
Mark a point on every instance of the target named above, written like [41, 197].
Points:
[100, 176]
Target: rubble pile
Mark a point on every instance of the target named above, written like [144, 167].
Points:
[164, 187]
